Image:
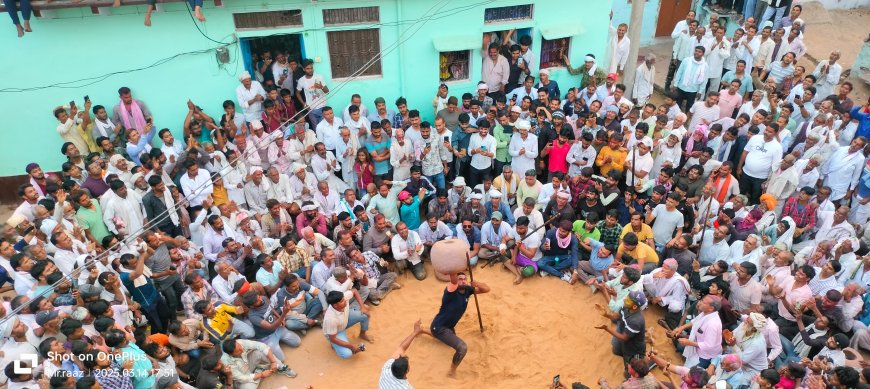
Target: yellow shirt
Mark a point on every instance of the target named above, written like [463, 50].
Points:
[219, 325]
[642, 236]
[642, 251]
[617, 159]
[220, 196]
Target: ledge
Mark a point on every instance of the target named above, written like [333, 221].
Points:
[94, 5]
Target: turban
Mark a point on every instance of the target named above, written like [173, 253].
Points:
[769, 201]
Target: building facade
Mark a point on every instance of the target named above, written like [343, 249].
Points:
[81, 51]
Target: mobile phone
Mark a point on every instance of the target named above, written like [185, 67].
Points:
[362, 347]
[514, 96]
[483, 148]
[72, 103]
[446, 138]
[148, 120]
[27, 230]
[87, 98]
[586, 158]
[556, 379]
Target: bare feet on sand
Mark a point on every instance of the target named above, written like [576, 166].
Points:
[366, 338]
[518, 280]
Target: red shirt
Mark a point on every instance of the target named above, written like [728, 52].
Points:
[558, 157]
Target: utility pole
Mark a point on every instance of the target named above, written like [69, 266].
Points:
[635, 24]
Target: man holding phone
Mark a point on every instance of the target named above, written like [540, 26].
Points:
[130, 112]
[75, 126]
[482, 147]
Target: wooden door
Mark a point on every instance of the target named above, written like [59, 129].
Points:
[671, 12]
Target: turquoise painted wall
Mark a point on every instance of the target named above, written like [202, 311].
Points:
[74, 44]
[622, 14]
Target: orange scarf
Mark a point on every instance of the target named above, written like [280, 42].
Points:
[720, 194]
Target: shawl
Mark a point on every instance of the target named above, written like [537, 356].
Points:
[138, 117]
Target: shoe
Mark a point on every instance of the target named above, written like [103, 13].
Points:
[303, 332]
[316, 323]
[375, 302]
[594, 288]
[566, 277]
[287, 371]
[397, 285]
[542, 273]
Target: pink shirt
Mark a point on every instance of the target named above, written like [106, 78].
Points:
[728, 103]
[559, 157]
[793, 295]
[709, 337]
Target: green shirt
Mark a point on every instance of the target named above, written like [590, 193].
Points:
[598, 76]
[503, 139]
[92, 220]
[581, 232]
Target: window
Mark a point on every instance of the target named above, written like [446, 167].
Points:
[552, 52]
[345, 16]
[454, 65]
[269, 19]
[507, 14]
[350, 50]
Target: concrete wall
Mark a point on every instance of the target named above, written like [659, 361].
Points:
[75, 44]
[622, 14]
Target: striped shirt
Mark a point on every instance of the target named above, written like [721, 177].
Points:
[389, 381]
[778, 72]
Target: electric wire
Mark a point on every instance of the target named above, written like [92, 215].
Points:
[132, 237]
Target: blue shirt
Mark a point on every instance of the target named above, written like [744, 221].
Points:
[146, 295]
[745, 82]
[598, 263]
[381, 167]
[410, 214]
[688, 65]
[141, 371]
[863, 122]
[864, 182]
[505, 212]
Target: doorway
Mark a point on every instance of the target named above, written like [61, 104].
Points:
[253, 48]
[671, 12]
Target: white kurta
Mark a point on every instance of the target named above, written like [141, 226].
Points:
[643, 83]
[825, 82]
[309, 182]
[128, 209]
[401, 169]
[842, 171]
[526, 161]
[618, 51]
[346, 151]
[323, 169]
[281, 190]
[252, 111]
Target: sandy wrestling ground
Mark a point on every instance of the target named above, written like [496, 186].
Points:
[532, 332]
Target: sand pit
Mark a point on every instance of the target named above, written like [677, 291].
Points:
[532, 332]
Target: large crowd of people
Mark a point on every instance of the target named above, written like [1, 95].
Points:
[191, 261]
